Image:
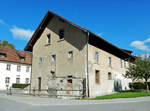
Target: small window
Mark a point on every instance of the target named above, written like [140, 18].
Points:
[2, 55]
[125, 65]
[121, 63]
[54, 58]
[69, 76]
[7, 80]
[53, 74]
[61, 34]
[18, 68]
[69, 82]
[110, 61]
[97, 77]
[22, 58]
[40, 60]
[18, 79]
[27, 69]
[70, 54]
[109, 76]
[48, 38]
[8, 67]
[96, 57]
[27, 80]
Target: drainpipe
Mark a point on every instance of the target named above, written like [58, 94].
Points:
[30, 90]
[87, 75]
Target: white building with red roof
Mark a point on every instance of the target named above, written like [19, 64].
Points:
[15, 67]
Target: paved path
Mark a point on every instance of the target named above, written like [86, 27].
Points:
[26, 103]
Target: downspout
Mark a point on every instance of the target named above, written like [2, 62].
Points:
[31, 75]
[87, 76]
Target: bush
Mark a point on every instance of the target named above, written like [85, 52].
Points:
[22, 86]
[138, 85]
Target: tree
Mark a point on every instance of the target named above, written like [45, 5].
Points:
[131, 73]
[6, 44]
[140, 69]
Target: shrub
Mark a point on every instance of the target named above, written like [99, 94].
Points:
[22, 86]
[138, 85]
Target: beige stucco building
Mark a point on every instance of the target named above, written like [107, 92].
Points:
[74, 60]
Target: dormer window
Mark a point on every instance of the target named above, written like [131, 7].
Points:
[61, 34]
[48, 38]
[22, 58]
[2, 55]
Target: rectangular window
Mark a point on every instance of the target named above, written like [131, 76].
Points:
[7, 80]
[27, 80]
[39, 83]
[18, 68]
[97, 77]
[109, 76]
[18, 79]
[70, 54]
[96, 57]
[40, 60]
[48, 38]
[61, 34]
[27, 69]
[110, 61]
[53, 74]
[69, 82]
[125, 64]
[22, 58]
[2, 55]
[54, 58]
[121, 63]
[8, 67]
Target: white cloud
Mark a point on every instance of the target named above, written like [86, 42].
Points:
[4, 23]
[144, 55]
[141, 45]
[147, 40]
[21, 33]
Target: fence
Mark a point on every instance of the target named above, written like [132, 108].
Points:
[59, 93]
[56, 87]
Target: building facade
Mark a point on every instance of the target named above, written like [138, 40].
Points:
[68, 57]
[15, 67]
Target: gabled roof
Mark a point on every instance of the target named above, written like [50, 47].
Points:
[93, 38]
[12, 55]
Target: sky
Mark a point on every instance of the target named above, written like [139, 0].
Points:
[124, 23]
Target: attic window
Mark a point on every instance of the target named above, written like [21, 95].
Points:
[22, 58]
[61, 20]
[61, 34]
[70, 54]
[2, 55]
[48, 38]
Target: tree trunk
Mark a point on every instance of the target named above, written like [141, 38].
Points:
[147, 87]
[132, 85]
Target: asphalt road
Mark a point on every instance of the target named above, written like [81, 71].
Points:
[22, 103]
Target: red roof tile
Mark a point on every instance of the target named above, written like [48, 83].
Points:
[13, 55]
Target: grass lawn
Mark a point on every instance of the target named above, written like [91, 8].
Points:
[125, 94]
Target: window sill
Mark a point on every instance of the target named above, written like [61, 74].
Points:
[61, 40]
[47, 44]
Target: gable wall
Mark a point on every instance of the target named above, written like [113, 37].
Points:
[74, 40]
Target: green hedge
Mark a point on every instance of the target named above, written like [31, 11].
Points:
[22, 86]
[138, 85]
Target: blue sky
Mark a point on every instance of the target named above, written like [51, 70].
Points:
[125, 23]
